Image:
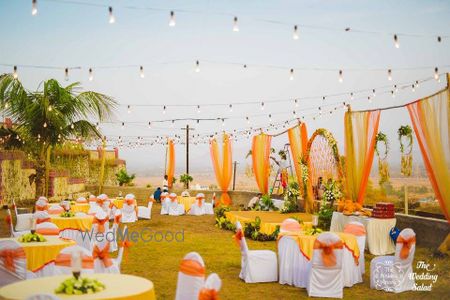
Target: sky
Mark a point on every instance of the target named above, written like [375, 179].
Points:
[64, 33]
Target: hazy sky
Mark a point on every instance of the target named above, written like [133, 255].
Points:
[64, 34]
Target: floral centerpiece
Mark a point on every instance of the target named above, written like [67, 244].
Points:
[67, 214]
[383, 166]
[291, 198]
[79, 286]
[31, 237]
[405, 132]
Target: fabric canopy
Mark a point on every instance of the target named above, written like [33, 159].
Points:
[361, 129]
[431, 123]
[222, 169]
[260, 159]
[170, 170]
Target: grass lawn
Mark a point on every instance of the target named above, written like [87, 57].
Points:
[159, 261]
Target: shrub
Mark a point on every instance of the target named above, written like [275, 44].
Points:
[123, 178]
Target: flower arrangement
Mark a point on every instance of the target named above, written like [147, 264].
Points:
[332, 191]
[265, 204]
[252, 231]
[80, 286]
[383, 166]
[405, 132]
[31, 237]
[313, 231]
[67, 214]
[221, 220]
[290, 198]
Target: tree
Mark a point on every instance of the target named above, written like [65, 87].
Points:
[185, 179]
[124, 178]
[49, 117]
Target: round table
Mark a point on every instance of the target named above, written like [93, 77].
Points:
[117, 286]
[39, 254]
[117, 202]
[187, 202]
[81, 223]
[80, 207]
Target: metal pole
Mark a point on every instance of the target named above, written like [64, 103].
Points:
[187, 153]
[234, 175]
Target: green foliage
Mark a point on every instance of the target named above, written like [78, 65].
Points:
[332, 191]
[31, 237]
[325, 215]
[291, 198]
[265, 204]
[185, 179]
[148, 185]
[123, 178]
[221, 220]
[252, 231]
[382, 137]
[405, 131]
[79, 286]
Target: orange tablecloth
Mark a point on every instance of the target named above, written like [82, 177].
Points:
[39, 254]
[83, 223]
[306, 242]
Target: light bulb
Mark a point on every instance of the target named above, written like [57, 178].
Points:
[270, 118]
[112, 19]
[198, 109]
[141, 72]
[149, 125]
[6, 105]
[197, 66]
[72, 126]
[123, 125]
[49, 108]
[396, 42]
[164, 109]
[172, 19]
[91, 75]
[341, 77]
[45, 125]
[417, 83]
[351, 96]
[231, 108]
[389, 74]
[291, 74]
[294, 112]
[295, 33]
[439, 39]
[66, 74]
[395, 88]
[248, 120]
[262, 105]
[223, 122]
[373, 92]
[34, 7]
[235, 25]
[393, 94]
[436, 73]
[15, 72]
[370, 99]
[129, 109]
[413, 88]
[173, 121]
[97, 125]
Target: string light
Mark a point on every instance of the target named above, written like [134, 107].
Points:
[49, 108]
[248, 120]
[112, 19]
[197, 66]
[294, 112]
[351, 96]
[370, 99]
[262, 105]
[198, 109]
[296, 102]
[291, 76]
[129, 109]
[223, 122]
[97, 125]
[235, 25]
[341, 77]
[15, 72]
[45, 125]
[91, 75]
[141, 71]
[172, 22]
[173, 121]
[231, 107]
[34, 7]
[390, 75]
[295, 33]
[396, 42]
[66, 74]
[123, 125]
[270, 118]
[417, 83]
[436, 73]
[149, 125]
[164, 110]
[393, 94]
[439, 39]
[395, 88]
[72, 126]
[413, 88]
[373, 93]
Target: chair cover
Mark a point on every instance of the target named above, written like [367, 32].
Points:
[63, 262]
[102, 262]
[175, 209]
[129, 214]
[198, 207]
[13, 262]
[100, 222]
[210, 290]
[191, 277]
[81, 200]
[47, 228]
[294, 266]
[42, 216]
[13, 232]
[41, 205]
[393, 273]
[290, 225]
[55, 209]
[326, 276]
[145, 212]
[117, 219]
[359, 231]
[165, 202]
[256, 265]
[23, 221]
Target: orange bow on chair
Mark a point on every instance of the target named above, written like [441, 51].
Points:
[407, 244]
[8, 220]
[126, 244]
[208, 294]
[238, 237]
[129, 201]
[100, 202]
[192, 268]
[65, 260]
[328, 256]
[39, 221]
[117, 219]
[199, 201]
[41, 208]
[8, 256]
[100, 224]
[103, 255]
[48, 231]
[173, 199]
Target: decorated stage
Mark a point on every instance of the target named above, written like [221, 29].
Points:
[269, 219]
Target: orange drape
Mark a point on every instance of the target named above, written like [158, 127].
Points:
[361, 129]
[170, 171]
[431, 123]
[260, 159]
[222, 170]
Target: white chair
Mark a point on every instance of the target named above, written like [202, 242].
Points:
[63, 262]
[293, 265]
[15, 269]
[55, 209]
[211, 287]
[41, 205]
[145, 212]
[326, 278]
[209, 207]
[13, 232]
[359, 231]
[165, 202]
[117, 219]
[92, 200]
[175, 209]
[393, 273]
[191, 277]
[102, 262]
[185, 194]
[290, 225]
[42, 216]
[23, 221]
[103, 203]
[198, 207]
[82, 200]
[129, 214]
[256, 265]
[100, 222]
[47, 228]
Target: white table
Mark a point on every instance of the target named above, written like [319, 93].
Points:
[378, 239]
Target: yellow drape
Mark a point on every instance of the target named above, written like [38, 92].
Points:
[222, 169]
[431, 123]
[170, 162]
[260, 159]
[361, 129]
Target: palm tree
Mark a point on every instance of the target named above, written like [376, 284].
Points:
[49, 117]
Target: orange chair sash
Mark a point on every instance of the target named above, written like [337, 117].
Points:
[9, 256]
[8, 220]
[355, 229]
[48, 231]
[55, 211]
[81, 201]
[192, 268]
[100, 201]
[238, 237]
[100, 224]
[406, 247]
[208, 294]
[117, 219]
[126, 244]
[328, 256]
[41, 208]
[103, 255]
[173, 199]
[199, 201]
[65, 260]
[39, 221]
[130, 201]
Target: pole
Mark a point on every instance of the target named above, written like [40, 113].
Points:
[102, 166]
[234, 175]
[187, 154]
[406, 200]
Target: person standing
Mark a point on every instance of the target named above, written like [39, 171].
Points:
[166, 184]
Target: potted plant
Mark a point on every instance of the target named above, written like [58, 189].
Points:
[185, 179]
[123, 178]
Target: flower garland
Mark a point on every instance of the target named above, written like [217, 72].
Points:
[405, 132]
[383, 166]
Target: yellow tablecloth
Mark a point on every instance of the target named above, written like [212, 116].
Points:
[306, 243]
[40, 254]
[117, 286]
[80, 207]
[269, 220]
[117, 202]
[77, 223]
[187, 202]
